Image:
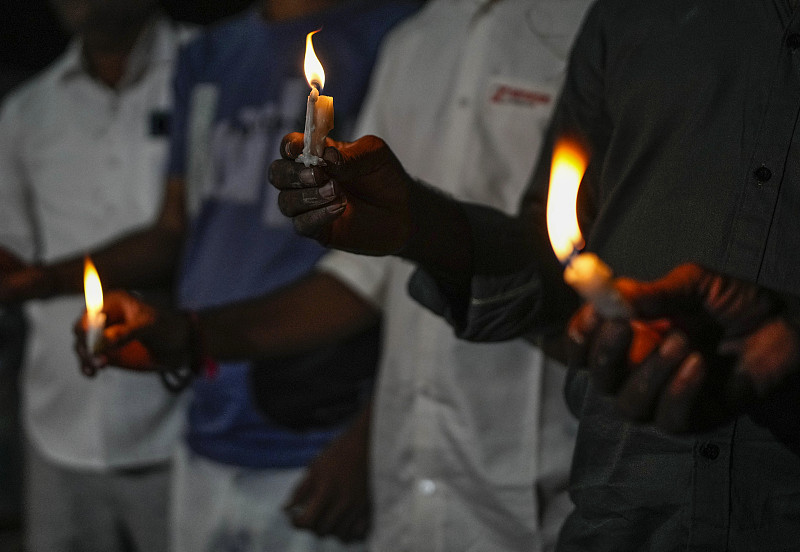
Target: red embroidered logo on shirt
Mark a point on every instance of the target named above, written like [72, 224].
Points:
[519, 96]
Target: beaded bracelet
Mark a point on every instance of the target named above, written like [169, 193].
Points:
[178, 378]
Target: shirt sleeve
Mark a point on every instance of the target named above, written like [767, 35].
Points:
[505, 299]
[372, 115]
[17, 228]
[367, 276]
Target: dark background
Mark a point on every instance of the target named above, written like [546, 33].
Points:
[30, 36]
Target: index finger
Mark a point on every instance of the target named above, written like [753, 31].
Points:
[608, 355]
[289, 175]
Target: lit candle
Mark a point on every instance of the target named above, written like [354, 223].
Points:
[319, 109]
[585, 272]
[96, 319]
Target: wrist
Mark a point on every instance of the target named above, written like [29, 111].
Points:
[40, 282]
[200, 361]
[197, 362]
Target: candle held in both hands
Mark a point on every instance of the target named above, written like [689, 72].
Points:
[319, 109]
[585, 272]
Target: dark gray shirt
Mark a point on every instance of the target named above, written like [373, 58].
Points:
[690, 109]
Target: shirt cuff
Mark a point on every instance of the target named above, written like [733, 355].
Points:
[505, 290]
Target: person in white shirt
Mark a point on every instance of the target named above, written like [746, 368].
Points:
[82, 151]
[471, 443]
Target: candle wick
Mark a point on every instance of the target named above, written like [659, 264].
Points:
[575, 252]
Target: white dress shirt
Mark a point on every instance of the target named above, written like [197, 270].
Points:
[466, 437]
[81, 163]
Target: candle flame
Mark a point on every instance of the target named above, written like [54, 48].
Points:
[566, 172]
[315, 74]
[92, 288]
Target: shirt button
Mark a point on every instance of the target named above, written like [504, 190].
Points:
[762, 174]
[793, 41]
[709, 450]
[426, 487]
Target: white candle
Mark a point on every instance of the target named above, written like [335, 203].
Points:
[93, 291]
[312, 100]
[585, 272]
[319, 109]
[594, 281]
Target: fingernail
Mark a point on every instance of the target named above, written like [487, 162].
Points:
[673, 346]
[688, 371]
[576, 336]
[330, 156]
[336, 208]
[306, 176]
[327, 191]
[288, 149]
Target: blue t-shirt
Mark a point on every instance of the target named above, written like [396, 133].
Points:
[239, 89]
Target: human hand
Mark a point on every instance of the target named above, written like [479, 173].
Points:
[333, 498]
[703, 348]
[357, 201]
[137, 337]
[20, 281]
[10, 262]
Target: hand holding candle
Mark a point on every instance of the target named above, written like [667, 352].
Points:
[319, 109]
[96, 319]
[585, 272]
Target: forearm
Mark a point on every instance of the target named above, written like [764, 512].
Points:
[141, 259]
[313, 312]
[440, 242]
[513, 287]
[145, 259]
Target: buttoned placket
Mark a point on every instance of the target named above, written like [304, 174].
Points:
[771, 166]
[465, 91]
[711, 490]
[428, 493]
[768, 166]
[428, 510]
